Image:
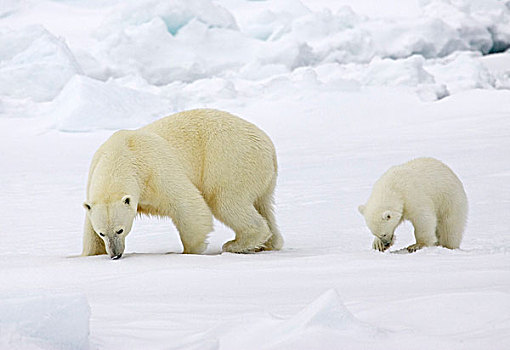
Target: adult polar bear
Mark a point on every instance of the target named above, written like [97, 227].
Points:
[188, 166]
[424, 191]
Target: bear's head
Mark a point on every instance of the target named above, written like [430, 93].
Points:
[382, 221]
[112, 221]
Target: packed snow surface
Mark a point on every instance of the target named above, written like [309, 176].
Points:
[344, 88]
[44, 321]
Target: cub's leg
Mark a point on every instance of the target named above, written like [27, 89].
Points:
[381, 246]
[424, 231]
[450, 229]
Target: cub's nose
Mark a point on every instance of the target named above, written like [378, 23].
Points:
[115, 257]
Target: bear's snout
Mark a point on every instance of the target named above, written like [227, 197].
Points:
[116, 257]
[387, 241]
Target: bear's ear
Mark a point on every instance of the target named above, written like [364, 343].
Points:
[126, 200]
[361, 209]
[87, 206]
[387, 215]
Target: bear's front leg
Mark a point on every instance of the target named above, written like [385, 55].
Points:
[194, 221]
[414, 247]
[379, 245]
[92, 244]
[424, 231]
[193, 227]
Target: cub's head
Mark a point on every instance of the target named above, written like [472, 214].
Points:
[382, 222]
[112, 221]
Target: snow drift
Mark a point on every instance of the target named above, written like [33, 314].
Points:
[83, 101]
[326, 318]
[166, 47]
[44, 322]
[34, 64]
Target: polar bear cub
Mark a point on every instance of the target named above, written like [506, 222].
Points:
[428, 194]
[188, 166]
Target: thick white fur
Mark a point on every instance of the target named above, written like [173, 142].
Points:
[424, 191]
[188, 166]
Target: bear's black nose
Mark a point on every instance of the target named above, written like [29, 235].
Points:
[115, 257]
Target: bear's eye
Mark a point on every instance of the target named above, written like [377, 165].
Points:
[101, 234]
[119, 232]
[388, 217]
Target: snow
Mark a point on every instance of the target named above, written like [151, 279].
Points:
[326, 317]
[39, 322]
[124, 107]
[34, 64]
[345, 89]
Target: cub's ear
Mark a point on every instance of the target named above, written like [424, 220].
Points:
[361, 209]
[387, 215]
[127, 200]
[87, 206]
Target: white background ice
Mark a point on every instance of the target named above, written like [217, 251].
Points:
[345, 89]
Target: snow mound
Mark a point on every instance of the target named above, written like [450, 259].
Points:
[498, 65]
[87, 104]
[174, 13]
[268, 22]
[44, 322]
[200, 93]
[389, 72]
[199, 53]
[326, 317]
[34, 64]
[482, 26]
[166, 41]
[462, 71]
[327, 311]
[10, 7]
[443, 28]
[195, 52]
[173, 42]
[407, 72]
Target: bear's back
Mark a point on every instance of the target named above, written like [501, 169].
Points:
[216, 145]
[200, 125]
[424, 177]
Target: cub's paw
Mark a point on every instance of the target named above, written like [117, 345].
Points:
[379, 245]
[414, 247]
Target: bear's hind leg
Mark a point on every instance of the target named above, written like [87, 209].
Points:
[251, 229]
[92, 244]
[265, 208]
[450, 229]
